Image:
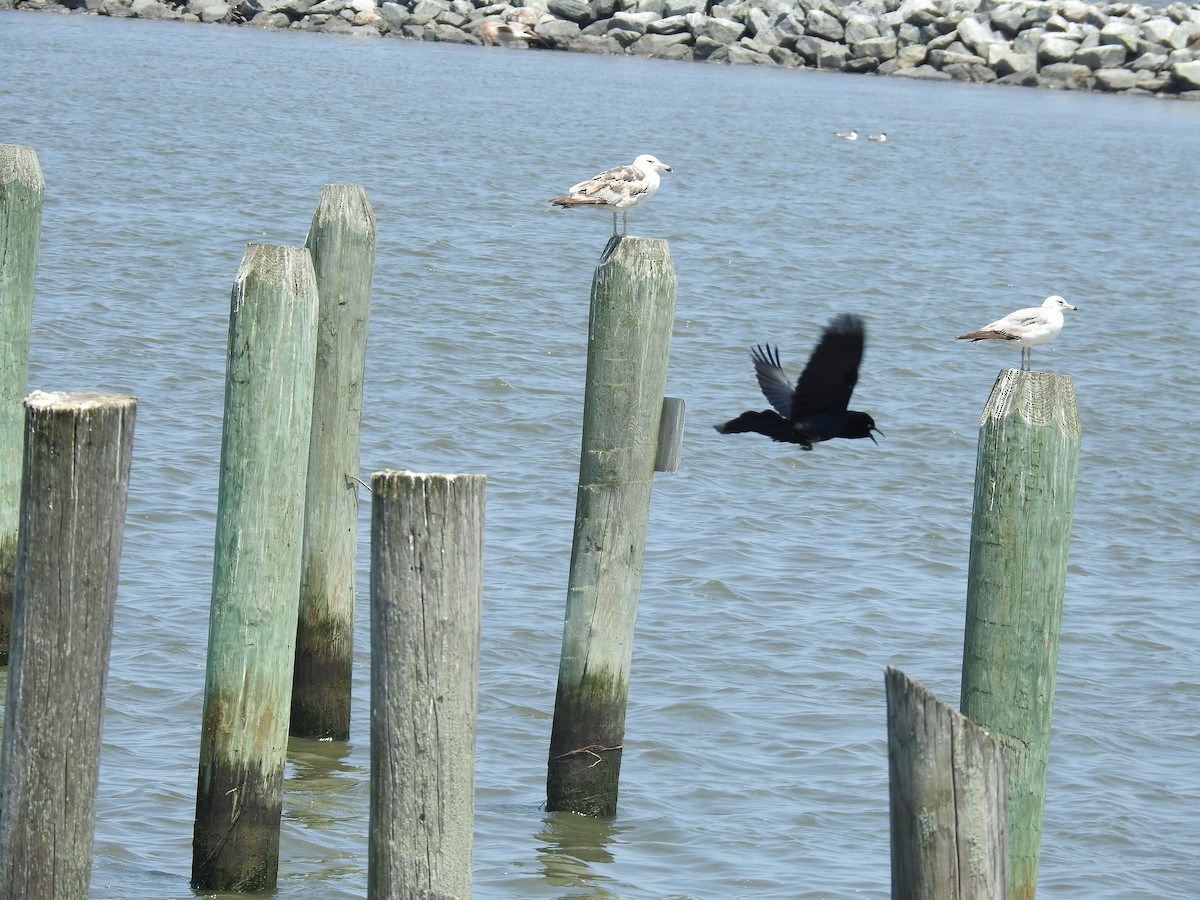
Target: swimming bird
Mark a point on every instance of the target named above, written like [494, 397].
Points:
[848, 135]
[878, 138]
[1026, 328]
[619, 189]
[816, 409]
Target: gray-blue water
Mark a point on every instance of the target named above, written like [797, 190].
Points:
[778, 583]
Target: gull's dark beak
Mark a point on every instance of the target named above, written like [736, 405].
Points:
[872, 437]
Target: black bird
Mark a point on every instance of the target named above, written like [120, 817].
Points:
[816, 409]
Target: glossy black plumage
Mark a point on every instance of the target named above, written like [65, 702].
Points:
[817, 408]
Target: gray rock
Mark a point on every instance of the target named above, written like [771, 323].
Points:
[1007, 19]
[669, 25]
[602, 44]
[634, 21]
[1055, 49]
[940, 59]
[1105, 56]
[741, 55]
[923, 73]
[705, 47]
[879, 48]
[860, 28]
[1186, 75]
[1151, 62]
[919, 12]
[270, 20]
[395, 15]
[1064, 76]
[576, 11]
[911, 56]
[977, 36]
[1158, 30]
[821, 24]
[1115, 79]
[425, 11]
[559, 32]
[1182, 35]
[663, 46]
[1124, 33]
[723, 31]
[1004, 61]
[821, 53]
[623, 36]
[683, 7]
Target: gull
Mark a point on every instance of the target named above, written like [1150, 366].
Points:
[816, 409]
[879, 138]
[848, 135]
[496, 31]
[619, 189]
[1026, 328]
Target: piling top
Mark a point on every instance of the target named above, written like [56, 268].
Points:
[1038, 399]
[80, 400]
[420, 476]
[19, 163]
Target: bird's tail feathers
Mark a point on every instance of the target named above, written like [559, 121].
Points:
[575, 201]
[985, 336]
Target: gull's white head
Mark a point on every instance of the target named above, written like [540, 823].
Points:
[649, 163]
[1057, 302]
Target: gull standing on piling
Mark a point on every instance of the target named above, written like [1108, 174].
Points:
[1026, 328]
[816, 409]
[619, 189]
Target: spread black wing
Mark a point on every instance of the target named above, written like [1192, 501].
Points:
[828, 380]
[774, 383]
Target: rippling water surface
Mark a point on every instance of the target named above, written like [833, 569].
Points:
[778, 583]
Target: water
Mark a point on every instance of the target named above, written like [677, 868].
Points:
[778, 583]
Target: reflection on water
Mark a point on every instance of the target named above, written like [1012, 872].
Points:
[570, 848]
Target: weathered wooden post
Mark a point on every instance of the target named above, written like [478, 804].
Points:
[342, 243]
[256, 570]
[426, 596]
[1027, 462]
[22, 190]
[629, 338]
[73, 491]
[947, 788]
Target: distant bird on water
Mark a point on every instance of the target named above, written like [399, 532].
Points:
[816, 409]
[619, 189]
[1026, 328]
[878, 138]
[847, 135]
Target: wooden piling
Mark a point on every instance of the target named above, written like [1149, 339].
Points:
[342, 243]
[629, 338]
[1027, 462]
[22, 190]
[256, 570]
[73, 491]
[946, 791]
[426, 595]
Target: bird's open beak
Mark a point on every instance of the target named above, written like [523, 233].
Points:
[872, 437]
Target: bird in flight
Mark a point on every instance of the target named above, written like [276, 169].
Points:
[1026, 328]
[619, 189]
[816, 409]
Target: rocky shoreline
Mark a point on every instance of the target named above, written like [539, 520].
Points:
[1116, 47]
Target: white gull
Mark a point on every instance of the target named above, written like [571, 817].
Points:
[1026, 328]
[847, 135]
[619, 189]
[879, 138]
